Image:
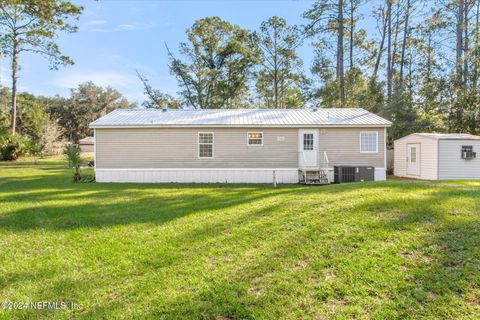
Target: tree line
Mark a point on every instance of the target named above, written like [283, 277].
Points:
[35, 124]
[419, 66]
[406, 69]
[45, 125]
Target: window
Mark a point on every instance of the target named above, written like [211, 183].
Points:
[368, 142]
[205, 145]
[467, 148]
[308, 141]
[467, 152]
[255, 138]
[413, 154]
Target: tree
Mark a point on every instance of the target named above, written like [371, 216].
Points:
[406, 30]
[32, 118]
[155, 98]
[340, 49]
[382, 21]
[217, 62]
[50, 141]
[86, 103]
[459, 41]
[333, 34]
[327, 27]
[279, 79]
[5, 99]
[389, 50]
[32, 26]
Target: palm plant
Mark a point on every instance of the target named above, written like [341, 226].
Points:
[74, 160]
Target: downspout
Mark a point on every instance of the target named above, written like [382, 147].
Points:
[94, 151]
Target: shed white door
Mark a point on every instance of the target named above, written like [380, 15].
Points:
[308, 148]
[413, 159]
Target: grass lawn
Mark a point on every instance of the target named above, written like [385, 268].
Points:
[385, 250]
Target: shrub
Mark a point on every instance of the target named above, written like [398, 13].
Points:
[74, 161]
[12, 146]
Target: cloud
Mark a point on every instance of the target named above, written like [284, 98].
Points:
[124, 27]
[95, 22]
[130, 64]
[126, 83]
[101, 78]
[5, 78]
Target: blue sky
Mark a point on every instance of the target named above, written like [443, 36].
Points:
[115, 38]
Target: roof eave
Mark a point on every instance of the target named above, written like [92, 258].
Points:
[92, 126]
[461, 139]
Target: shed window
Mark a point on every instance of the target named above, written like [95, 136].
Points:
[205, 145]
[368, 142]
[255, 138]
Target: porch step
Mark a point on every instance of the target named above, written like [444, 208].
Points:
[313, 176]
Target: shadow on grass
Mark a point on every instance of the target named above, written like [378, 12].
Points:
[443, 264]
[52, 202]
[440, 269]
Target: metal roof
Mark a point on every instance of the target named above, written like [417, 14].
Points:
[448, 136]
[88, 140]
[240, 118]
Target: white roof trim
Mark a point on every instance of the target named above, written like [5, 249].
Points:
[442, 136]
[240, 126]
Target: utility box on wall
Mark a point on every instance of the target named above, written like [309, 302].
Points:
[344, 174]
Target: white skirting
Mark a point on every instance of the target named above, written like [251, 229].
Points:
[380, 174]
[197, 175]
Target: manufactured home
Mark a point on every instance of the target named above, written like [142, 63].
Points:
[237, 145]
[437, 156]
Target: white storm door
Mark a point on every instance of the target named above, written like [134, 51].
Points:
[308, 148]
[413, 159]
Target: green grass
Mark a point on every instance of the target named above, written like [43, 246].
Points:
[385, 250]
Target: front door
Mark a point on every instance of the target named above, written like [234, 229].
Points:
[413, 159]
[308, 148]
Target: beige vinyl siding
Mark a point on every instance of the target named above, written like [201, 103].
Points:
[451, 164]
[178, 148]
[342, 146]
[399, 156]
[428, 157]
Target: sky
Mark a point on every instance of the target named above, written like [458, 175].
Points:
[118, 37]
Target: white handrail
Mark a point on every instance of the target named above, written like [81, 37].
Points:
[325, 160]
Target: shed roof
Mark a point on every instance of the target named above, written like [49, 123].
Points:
[87, 140]
[447, 136]
[240, 118]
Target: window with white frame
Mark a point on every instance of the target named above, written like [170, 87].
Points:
[255, 138]
[413, 154]
[368, 142]
[308, 141]
[205, 145]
